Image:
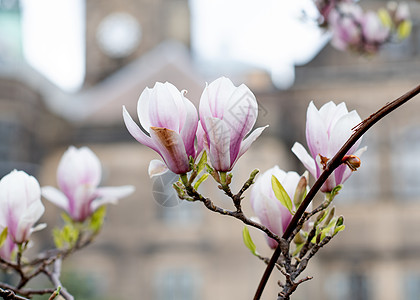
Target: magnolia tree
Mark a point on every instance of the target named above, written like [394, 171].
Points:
[195, 145]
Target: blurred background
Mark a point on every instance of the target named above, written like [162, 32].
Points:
[68, 66]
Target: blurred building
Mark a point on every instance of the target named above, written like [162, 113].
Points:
[182, 251]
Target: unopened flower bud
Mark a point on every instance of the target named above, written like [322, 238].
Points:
[352, 161]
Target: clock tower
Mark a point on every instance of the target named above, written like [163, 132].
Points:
[120, 31]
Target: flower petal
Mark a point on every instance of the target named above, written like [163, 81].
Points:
[218, 134]
[171, 148]
[240, 114]
[247, 142]
[136, 132]
[110, 195]
[55, 196]
[157, 168]
[189, 126]
[143, 109]
[163, 108]
[316, 132]
[305, 158]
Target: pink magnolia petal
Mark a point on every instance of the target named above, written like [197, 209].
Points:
[55, 196]
[316, 131]
[305, 158]
[78, 167]
[157, 168]
[163, 110]
[27, 220]
[240, 115]
[341, 132]
[136, 132]
[110, 195]
[143, 109]
[247, 142]
[218, 134]
[171, 148]
[201, 138]
[189, 128]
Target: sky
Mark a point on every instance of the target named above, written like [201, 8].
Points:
[53, 40]
[269, 34]
[265, 34]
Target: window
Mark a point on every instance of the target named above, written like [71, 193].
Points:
[364, 184]
[171, 209]
[347, 286]
[405, 163]
[177, 284]
[411, 285]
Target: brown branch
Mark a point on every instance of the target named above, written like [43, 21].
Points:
[331, 166]
[238, 213]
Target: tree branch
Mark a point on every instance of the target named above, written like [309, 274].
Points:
[335, 162]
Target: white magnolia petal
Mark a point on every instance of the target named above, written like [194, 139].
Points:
[55, 196]
[136, 132]
[157, 168]
[305, 158]
[110, 195]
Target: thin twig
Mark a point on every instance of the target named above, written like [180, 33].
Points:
[331, 166]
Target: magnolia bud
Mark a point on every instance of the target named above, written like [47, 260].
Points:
[352, 161]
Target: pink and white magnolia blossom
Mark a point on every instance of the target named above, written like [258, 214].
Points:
[78, 176]
[20, 205]
[171, 121]
[327, 129]
[268, 209]
[227, 115]
[356, 30]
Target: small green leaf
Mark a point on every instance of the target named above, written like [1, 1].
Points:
[340, 221]
[335, 191]
[97, 219]
[338, 229]
[201, 180]
[298, 248]
[58, 241]
[385, 18]
[301, 190]
[248, 241]
[404, 29]
[202, 162]
[281, 194]
[3, 236]
[66, 218]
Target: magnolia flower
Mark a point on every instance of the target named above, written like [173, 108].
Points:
[268, 209]
[171, 121]
[20, 205]
[79, 174]
[356, 30]
[227, 115]
[327, 129]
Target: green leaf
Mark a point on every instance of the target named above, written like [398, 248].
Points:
[385, 18]
[404, 29]
[66, 218]
[281, 194]
[97, 219]
[202, 162]
[248, 241]
[301, 190]
[338, 229]
[201, 180]
[58, 241]
[298, 248]
[3, 236]
[335, 191]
